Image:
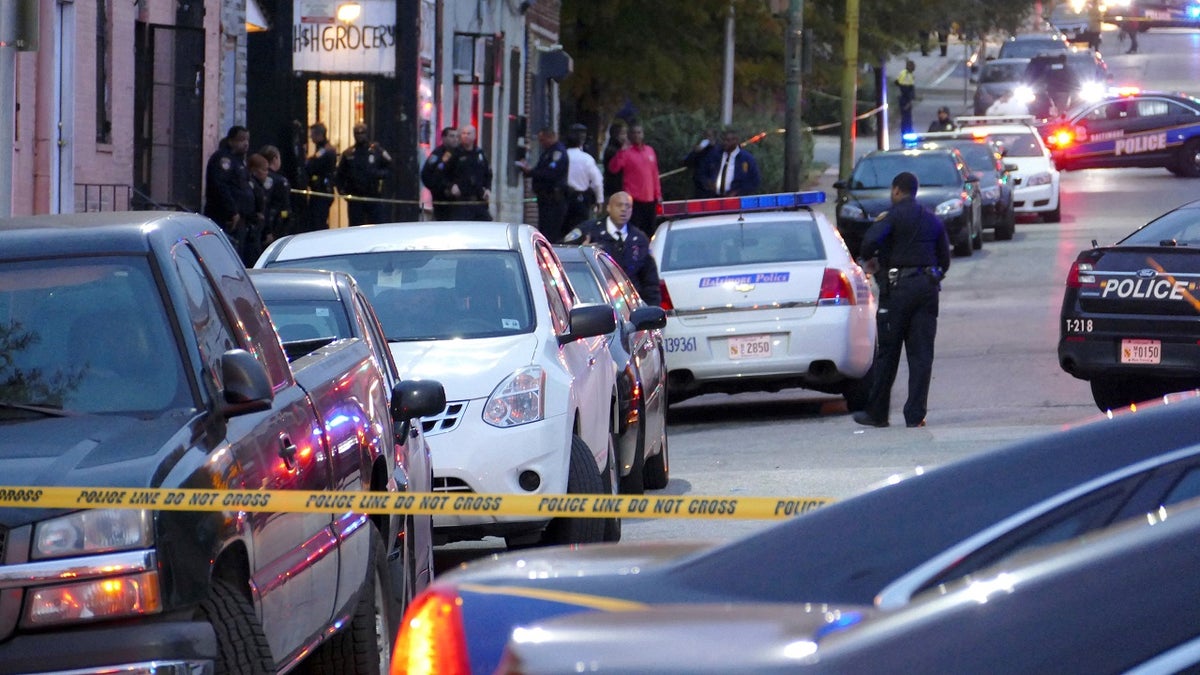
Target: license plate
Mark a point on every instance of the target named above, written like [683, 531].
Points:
[750, 347]
[1141, 351]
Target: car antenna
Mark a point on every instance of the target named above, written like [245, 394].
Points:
[1095, 244]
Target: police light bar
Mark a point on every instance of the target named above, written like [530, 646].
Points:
[976, 120]
[771, 202]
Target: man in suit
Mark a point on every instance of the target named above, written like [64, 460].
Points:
[737, 172]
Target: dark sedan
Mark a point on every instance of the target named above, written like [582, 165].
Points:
[986, 162]
[882, 547]
[948, 188]
[996, 77]
[636, 346]
[1131, 312]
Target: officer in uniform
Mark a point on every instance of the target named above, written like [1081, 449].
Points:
[228, 193]
[627, 244]
[909, 251]
[549, 184]
[470, 178]
[435, 174]
[320, 169]
[362, 172]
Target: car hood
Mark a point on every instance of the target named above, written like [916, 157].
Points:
[87, 450]
[874, 202]
[467, 369]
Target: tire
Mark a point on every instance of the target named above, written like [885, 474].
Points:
[965, 247]
[1119, 392]
[1007, 227]
[635, 482]
[1054, 216]
[612, 526]
[977, 241]
[1189, 159]
[582, 479]
[241, 644]
[658, 468]
[855, 392]
[364, 645]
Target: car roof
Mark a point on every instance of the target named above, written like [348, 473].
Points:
[434, 236]
[803, 213]
[1007, 61]
[287, 283]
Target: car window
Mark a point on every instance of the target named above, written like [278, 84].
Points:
[558, 293]
[1181, 227]
[584, 282]
[877, 171]
[1031, 47]
[1187, 487]
[1019, 144]
[793, 240]
[308, 320]
[1113, 110]
[438, 295]
[625, 285]
[1153, 107]
[979, 156]
[1002, 72]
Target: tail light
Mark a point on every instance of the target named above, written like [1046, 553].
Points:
[1060, 138]
[1080, 275]
[835, 289]
[431, 640]
[665, 303]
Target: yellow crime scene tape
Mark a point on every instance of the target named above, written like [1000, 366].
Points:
[416, 503]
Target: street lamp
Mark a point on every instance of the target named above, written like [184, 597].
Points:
[348, 12]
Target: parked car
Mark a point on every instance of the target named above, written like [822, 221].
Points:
[486, 309]
[1028, 45]
[881, 548]
[1118, 600]
[947, 187]
[1075, 21]
[1052, 83]
[640, 359]
[311, 308]
[1128, 320]
[997, 76]
[761, 294]
[138, 354]
[1036, 178]
[984, 159]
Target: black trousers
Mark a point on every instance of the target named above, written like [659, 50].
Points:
[316, 216]
[645, 215]
[907, 319]
[364, 213]
[551, 212]
[579, 209]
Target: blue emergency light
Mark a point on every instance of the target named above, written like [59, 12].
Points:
[771, 202]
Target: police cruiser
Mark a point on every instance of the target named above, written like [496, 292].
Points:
[1036, 179]
[1131, 312]
[762, 294]
[1129, 128]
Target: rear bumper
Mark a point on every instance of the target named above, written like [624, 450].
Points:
[1099, 356]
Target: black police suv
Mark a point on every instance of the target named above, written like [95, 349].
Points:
[1129, 128]
[1054, 82]
[947, 187]
[1130, 321]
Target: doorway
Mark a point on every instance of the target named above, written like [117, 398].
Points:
[339, 104]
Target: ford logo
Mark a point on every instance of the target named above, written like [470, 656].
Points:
[1146, 273]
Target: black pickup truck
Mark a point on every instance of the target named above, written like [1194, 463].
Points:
[135, 352]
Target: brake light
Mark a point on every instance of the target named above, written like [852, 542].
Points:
[665, 303]
[1060, 138]
[1080, 275]
[431, 639]
[835, 289]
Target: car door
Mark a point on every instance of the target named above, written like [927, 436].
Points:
[1095, 132]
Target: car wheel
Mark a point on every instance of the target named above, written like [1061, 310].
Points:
[658, 467]
[964, 246]
[635, 482]
[1006, 227]
[1189, 159]
[977, 240]
[241, 644]
[582, 479]
[612, 526]
[363, 646]
[1054, 216]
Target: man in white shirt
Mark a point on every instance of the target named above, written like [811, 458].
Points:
[585, 182]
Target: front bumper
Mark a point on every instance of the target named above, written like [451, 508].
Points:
[137, 648]
[1036, 198]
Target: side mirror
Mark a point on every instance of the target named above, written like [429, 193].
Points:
[648, 318]
[417, 398]
[589, 321]
[840, 185]
[247, 388]
[1009, 166]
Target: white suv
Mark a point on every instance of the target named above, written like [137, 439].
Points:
[1035, 182]
[486, 309]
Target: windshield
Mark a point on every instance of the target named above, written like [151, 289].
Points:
[1002, 72]
[88, 335]
[438, 295]
[979, 156]
[746, 243]
[877, 172]
[1018, 144]
[1177, 228]
[1031, 47]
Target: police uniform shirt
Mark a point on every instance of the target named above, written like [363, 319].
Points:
[362, 169]
[910, 236]
[583, 174]
[550, 174]
[321, 167]
[620, 233]
[470, 172]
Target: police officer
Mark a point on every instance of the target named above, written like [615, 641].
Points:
[585, 182]
[627, 244]
[549, 184]
[435, 174]
[320, 169]
[470, 178]
[228, 193]
[363, 171]
[909, 249]
[279, 196]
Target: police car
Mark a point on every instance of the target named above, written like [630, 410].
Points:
[1131, 312]
[1129, 128]
[1035, 181]
[761, 294]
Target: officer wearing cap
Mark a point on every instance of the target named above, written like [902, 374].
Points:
[549, 183]
[943, 122]
[909, 247]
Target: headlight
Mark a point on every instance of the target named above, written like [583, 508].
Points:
[94, 531]
[1039, 179]
[1091, 91]
[1024, 94]
[518, 399]
[949, 208]
[991, 192]
[851, 212]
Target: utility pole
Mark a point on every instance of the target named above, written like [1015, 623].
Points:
[727, 85]
[849, 92]
[793, 164]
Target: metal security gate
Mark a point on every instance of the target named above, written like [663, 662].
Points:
[169, 117]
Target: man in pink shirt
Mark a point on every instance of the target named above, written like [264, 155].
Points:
[638, 164]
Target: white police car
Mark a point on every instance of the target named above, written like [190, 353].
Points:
[1035, 182]
[761, 294]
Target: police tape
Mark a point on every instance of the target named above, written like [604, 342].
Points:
[406, 503]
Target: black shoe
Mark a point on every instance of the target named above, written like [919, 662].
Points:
[914, 425]
[865, 419]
